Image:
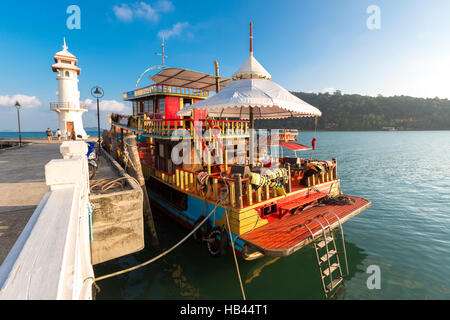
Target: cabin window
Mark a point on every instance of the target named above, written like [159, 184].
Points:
[67, 74]
[187, 102]
[162, 105]
[148, 107]
[140, 107]
[134, 108]
[145, 102]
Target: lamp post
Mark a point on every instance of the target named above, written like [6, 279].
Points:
[17, 105]
[97, 92]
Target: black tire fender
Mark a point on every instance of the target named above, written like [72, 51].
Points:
[217, 241]
[203, 231]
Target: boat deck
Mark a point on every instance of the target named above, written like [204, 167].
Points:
[282, 237]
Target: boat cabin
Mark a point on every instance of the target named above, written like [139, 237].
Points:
[174, 89]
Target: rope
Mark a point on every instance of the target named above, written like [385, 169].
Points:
[160, 255]
[104, 185]
[182, 241]
[235, 259]
[226, 196]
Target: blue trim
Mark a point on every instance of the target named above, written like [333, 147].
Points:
[195, 206]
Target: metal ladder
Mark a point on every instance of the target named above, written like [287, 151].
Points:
[326, 267]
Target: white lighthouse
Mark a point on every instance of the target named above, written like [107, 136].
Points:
[70, 110]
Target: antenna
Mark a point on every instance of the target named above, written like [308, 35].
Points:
[64, 46]
[251, 38]
[162, 54]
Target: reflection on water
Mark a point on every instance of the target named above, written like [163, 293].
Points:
[405, 232]
[256, 272]
[191, 273]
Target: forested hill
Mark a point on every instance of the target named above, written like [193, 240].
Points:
[357, 112]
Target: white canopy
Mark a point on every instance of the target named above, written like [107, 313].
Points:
[268, 100]
[251, 69]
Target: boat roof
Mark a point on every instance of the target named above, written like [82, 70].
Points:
[267, 99]
[189, 79]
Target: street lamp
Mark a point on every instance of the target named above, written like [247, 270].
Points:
[17, 105]
[97, 92]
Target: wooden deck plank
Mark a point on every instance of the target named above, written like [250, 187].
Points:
[285, 236]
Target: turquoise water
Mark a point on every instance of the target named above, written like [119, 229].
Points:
[406, 232]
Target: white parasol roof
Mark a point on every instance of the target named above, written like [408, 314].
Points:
[251, 69]
[268, 100]
[252, 89]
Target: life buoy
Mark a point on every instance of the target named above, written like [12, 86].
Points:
[217, 241]
[203, 231]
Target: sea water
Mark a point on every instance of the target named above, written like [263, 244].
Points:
[405, 233]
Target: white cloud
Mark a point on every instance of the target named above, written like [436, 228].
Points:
[108, 106]
[25, 101]
[145, 11]
[142, 10]
[123, 13]
[164, 6]
[175, 31]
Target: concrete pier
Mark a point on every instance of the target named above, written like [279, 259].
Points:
[52, 227]
[22, 186]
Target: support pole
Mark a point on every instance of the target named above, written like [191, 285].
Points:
[251, 144]
[289, 183]
[239, 201]
[20, 132]
[216, 66]
[131, 147]
[98, 128]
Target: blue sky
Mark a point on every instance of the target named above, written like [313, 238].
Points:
[307, 45]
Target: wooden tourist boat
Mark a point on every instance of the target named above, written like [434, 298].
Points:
[275, 206]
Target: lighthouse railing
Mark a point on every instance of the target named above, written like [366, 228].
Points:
[57, 106]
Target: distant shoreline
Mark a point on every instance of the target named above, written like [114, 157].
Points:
[11, 135]
[36, 135]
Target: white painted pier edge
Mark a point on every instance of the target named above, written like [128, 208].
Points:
[51, 260]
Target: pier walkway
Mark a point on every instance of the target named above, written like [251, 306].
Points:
[22, 186]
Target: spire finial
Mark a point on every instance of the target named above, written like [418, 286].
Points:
[251, 38]
[64, 46]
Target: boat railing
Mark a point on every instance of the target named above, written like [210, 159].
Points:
[165, 89]
[167, 127]
[241, 192]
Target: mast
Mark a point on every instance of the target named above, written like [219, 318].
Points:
[216, 66]
[251, 38]
[163, 54]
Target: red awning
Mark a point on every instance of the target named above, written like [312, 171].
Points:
[294, 146]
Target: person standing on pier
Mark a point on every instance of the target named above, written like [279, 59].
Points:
[73, 136]
[49, 135]
[58, 134]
